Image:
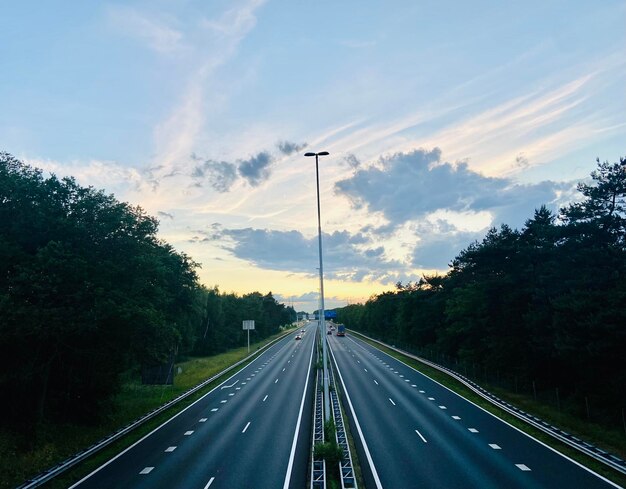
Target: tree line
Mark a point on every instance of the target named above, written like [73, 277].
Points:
[542, 304]
[88, 291]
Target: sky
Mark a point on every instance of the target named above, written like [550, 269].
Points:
[442, 119]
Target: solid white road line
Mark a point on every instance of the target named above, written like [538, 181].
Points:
[229, 386]
[420, 435]
[170, 449]
[147, 470]
[244, 430]
[209, 483]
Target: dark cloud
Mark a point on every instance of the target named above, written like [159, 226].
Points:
[256, 169]
[221, 175]
[352, 161]
[165, 214]
[288, 148]
[346, 255]
[407, 186]
[521, 161]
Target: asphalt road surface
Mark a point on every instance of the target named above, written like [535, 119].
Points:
[252, 431]
[419, 434]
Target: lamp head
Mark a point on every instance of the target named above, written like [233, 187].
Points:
[309, 154]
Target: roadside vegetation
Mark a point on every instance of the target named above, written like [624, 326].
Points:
[91, 300]
[59, 441]
[537, 315]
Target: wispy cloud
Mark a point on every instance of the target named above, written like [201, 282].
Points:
[155, 33]
[217, 41]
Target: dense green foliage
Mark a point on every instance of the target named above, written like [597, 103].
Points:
[87, 291]
[544, 304]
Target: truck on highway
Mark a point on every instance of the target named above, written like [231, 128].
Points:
[341, 330]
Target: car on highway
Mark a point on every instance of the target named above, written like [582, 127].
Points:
[330, 331]
[298, 337]
[302, 331]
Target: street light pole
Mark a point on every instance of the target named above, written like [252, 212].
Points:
[321, 312]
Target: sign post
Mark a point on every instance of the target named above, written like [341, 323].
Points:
[248, 325]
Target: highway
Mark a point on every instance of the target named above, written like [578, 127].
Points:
[415, 433]
[251, 431]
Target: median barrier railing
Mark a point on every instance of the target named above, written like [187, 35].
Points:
[318, 464]
[348, 480]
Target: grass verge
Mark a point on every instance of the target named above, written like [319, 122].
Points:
[56, 443]
[609, 440]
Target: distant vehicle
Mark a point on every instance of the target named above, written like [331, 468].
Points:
[302, 331]
[329, 331]
[298, 337]
[341, 330]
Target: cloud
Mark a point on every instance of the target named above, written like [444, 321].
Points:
[256, 169]
[352, 161]
[221, 175]
[288, 148]
[409, 186]
[155, 33]
[347, 256]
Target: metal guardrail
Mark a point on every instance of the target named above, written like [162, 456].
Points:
[78, 457]
[587, 448]
[318, 465]
[348, 480]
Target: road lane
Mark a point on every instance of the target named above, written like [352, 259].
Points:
[241, 434]
[421, 434]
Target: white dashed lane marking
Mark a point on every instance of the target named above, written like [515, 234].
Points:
[522, 467]
[147, 470]
[472, 430]
[391, 401]
[187, 433]
[170, 449]
[420, 435]
[494, 446]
